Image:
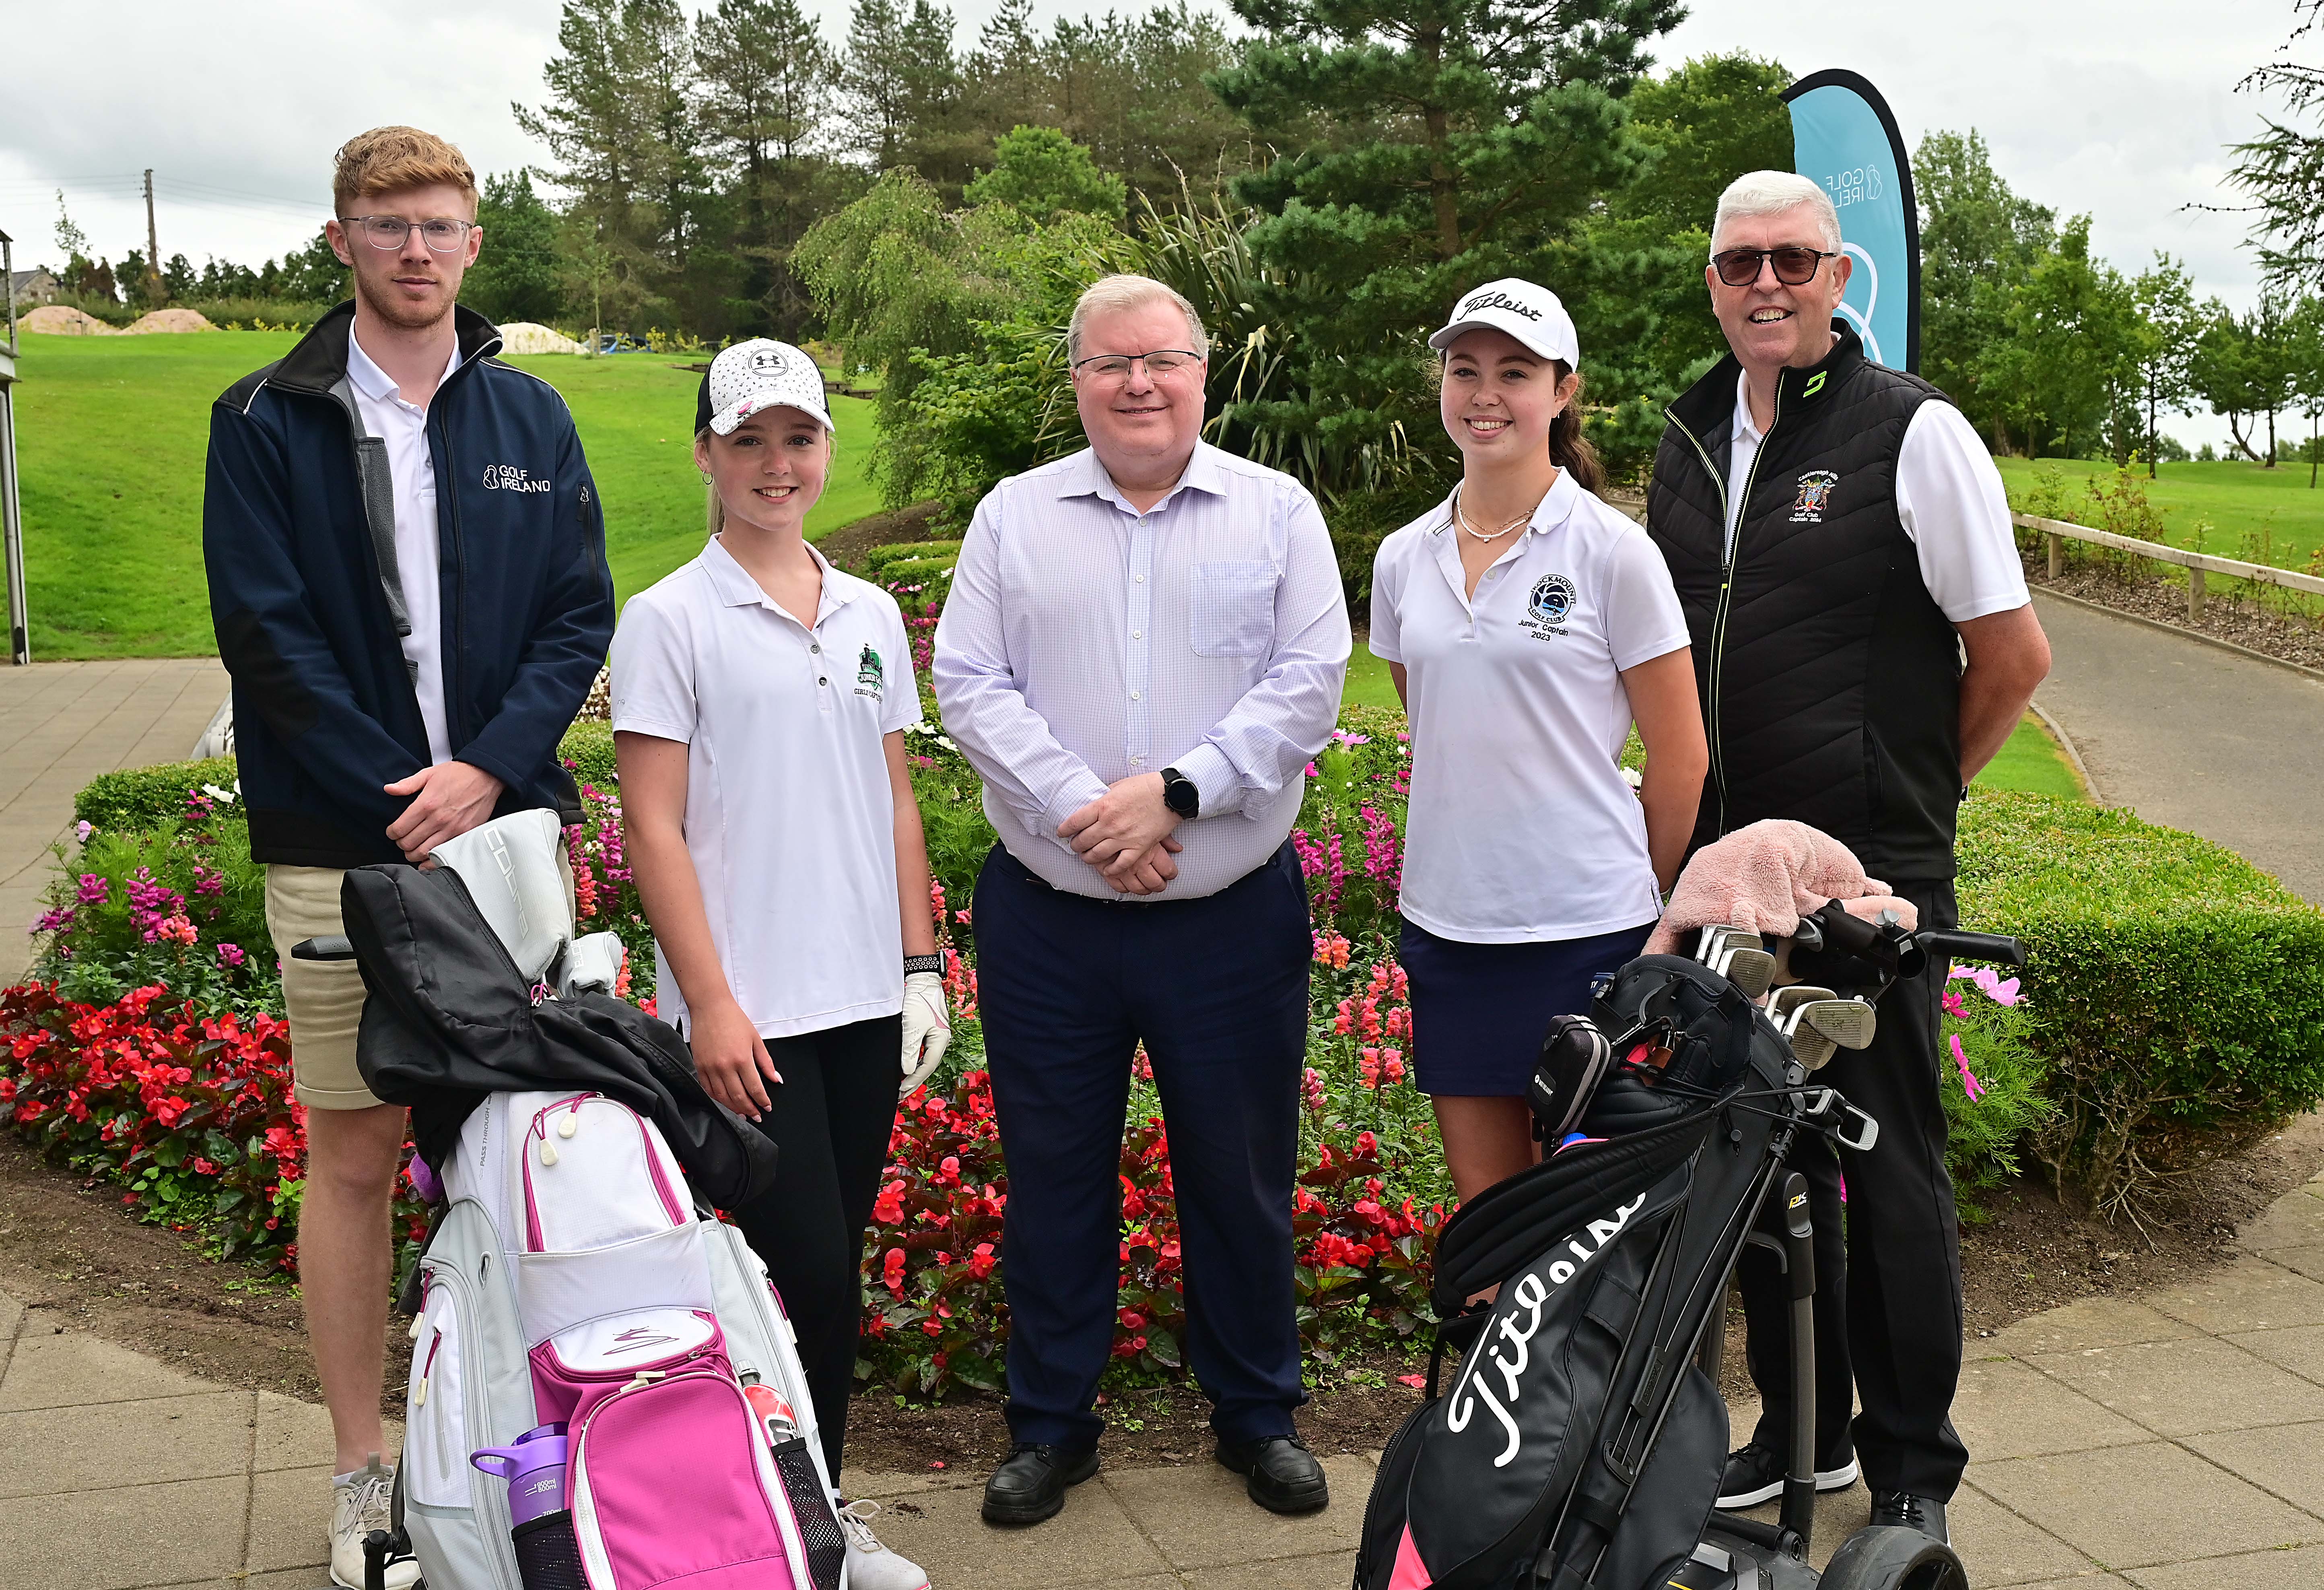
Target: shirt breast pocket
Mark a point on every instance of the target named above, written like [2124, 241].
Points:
[1233, 609]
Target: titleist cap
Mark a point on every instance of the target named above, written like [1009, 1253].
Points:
[1531, 314]
[759, 374]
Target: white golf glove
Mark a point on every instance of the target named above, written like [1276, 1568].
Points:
[927, 1029]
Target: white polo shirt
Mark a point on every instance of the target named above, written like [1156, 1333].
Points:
[412, 472]
[1948, 498]
[1522, 827]
[789, 814]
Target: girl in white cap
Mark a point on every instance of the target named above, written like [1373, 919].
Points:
[760, 698]
[1527, 625]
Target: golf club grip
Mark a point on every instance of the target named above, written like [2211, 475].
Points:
[1973, 947]
[332, 947]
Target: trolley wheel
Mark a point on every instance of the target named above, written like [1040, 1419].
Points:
[1890, 1557]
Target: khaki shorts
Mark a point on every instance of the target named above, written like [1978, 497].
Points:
[325, 999]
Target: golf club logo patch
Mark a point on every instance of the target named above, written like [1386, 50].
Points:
[1547, 608]
[1814, 496]
[871, 674]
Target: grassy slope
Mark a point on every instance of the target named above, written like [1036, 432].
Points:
[2273, 509]
[112, 432]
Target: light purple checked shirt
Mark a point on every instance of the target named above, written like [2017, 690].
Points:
[1084, 642]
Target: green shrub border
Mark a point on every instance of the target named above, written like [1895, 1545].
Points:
[140, 797]
[879, 558]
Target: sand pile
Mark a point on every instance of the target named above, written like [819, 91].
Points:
[170, 320]
[523, 337]
[63, 320]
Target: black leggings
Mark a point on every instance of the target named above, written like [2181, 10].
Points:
[831, 1117]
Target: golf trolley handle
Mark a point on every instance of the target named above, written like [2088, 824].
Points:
[334, 946]
[1971, 946]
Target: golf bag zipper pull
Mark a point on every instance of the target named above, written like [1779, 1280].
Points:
[568, 1126]
[547, 1152]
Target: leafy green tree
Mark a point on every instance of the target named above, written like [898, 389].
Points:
[2070, 347]
[2165, 297]
[1044, 174]
[1459, 141]
[2243, 366]
[1706, 122]
[1979, 243]
[179, 278]
[2282, 169]
[2306, 351]
[515, 276]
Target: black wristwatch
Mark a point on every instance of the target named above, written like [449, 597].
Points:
[1179, 794]
[923, 962]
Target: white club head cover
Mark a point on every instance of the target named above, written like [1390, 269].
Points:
[927, 1029]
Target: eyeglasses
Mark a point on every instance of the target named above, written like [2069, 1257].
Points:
[1794, 267]
[389, 231]
[1161, 364]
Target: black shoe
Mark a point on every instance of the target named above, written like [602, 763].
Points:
[1284, 1476]
[1031, 1485]
[1755, 1473]
[1903, 1510]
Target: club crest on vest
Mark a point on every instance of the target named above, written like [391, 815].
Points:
[1815, 495]
[1546, 609]
[871, 674]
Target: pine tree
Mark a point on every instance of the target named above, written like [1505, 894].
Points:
[766, 74]
[1445, 143]
[874, 78]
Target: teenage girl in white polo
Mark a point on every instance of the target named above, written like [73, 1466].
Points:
[1527, 624]
[759, 700]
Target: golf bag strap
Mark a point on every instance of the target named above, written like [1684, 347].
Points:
[1597, 1512]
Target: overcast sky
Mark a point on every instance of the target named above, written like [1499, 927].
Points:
[2117, 107]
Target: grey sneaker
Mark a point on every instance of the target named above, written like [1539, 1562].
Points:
[361, 1503]
[870, 1565]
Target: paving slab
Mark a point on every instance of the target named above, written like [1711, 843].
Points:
[2125, 1507]
[1201, 1516]
[2002, 1547]
[47, 1450]
[2256, 1570]
[2094, 1322]
[2286, 1460]
[2306, 1258]
[288, 1579]
[2007, 1408]
[1329, 1571]
[2186, 1388]
[2288, 1222]
[126, 1536]
[54, 1367]
[2249, 1294]
[289, 1519]
[1091, 1542]
[2300, 1348]
[291, 1434]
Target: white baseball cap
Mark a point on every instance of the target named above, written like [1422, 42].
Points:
[1531, 314]
[759, 374]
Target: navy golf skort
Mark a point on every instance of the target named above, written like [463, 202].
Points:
[1479, 1010]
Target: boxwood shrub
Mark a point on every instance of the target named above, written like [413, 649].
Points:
[916, 570]
[2176, 990]
[144, 798]
[879, 558]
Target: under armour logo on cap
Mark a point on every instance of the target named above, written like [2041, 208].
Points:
[755, 375]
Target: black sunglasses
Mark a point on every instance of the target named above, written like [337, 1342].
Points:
[1794, 267]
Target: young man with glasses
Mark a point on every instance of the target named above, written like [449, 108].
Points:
[1143, 648]
[407, 573]
[1864, 643]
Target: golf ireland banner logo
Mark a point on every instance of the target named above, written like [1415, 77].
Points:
[1844, 138]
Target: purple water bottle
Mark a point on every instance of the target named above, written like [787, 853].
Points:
[534, 1468]
[424, 1181]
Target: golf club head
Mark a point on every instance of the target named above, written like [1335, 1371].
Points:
[1718, 940]
[1811, 1049]
[1750, 970]
[1784, 1003]
[1847, 1023]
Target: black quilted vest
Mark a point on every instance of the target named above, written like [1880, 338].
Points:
[1831, 679]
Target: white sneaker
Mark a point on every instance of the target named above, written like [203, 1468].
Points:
[361, 1503]
[870, 1565]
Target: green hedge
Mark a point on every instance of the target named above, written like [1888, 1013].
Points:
[906, 570]
[588, 745]
[2176, 990]
[879, 558]
[142, 798]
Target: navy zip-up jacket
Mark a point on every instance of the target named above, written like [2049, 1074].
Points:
[298, 538]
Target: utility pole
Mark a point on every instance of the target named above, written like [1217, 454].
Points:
[153, 288]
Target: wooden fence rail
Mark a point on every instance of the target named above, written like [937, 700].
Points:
[2056, 531]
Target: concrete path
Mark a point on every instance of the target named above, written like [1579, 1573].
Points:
[63, 724]
[2171, 1442]
[2194, 738]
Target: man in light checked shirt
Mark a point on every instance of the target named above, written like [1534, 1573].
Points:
[1143, 648]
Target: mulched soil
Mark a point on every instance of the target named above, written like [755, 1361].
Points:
[2165, 597]
[848, 544]
[71, 1248]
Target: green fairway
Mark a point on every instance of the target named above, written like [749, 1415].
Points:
[2259, 515]
[112, 432]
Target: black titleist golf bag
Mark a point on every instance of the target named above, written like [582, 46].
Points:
[1578, 1445]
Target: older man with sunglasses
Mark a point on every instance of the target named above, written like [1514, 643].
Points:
[1864, 643]
[1143, 647]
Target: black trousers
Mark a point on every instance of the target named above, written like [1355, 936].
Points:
[1217, 989]
[832, 1117]
[1889, 1292]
